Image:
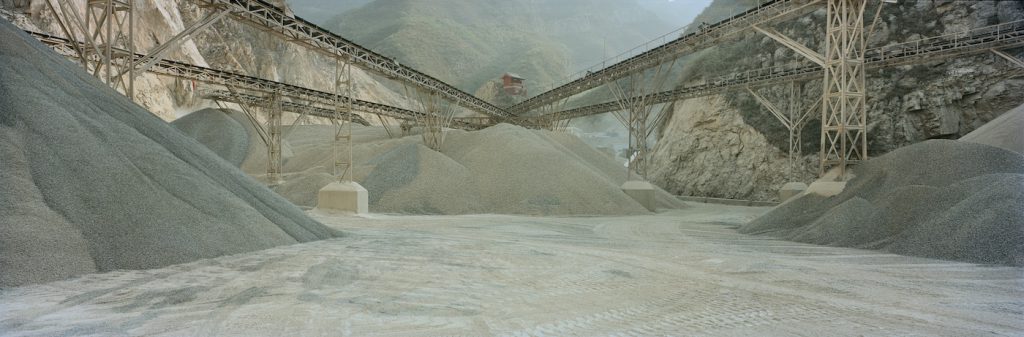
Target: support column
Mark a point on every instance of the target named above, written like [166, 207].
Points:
[844, 115]
[435, 118]
[343, 195]
[635, 97]
[274, 140]
[107, 28]
[1013, 60]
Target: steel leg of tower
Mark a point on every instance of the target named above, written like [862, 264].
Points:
[844, 115]
[108, 27]
[274, 140]
[343, 195]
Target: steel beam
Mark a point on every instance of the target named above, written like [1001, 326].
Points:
[843, 114]
[108, 27]
[1013, 60]
[158, 53]
[933, 49]
[792, 119]
[764, 12]
[275, 162]
[798, 47]
[268, 18]
[343, 91]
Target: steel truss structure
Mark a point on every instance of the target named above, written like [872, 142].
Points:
[269, 18]
[975, 41]
[107, 51]
[844, 120]
[343, 91]
[635, 114]
[793, 119]
[305, 98]
[108, 29]
[768, 11]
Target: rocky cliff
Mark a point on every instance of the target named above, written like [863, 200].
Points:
[227, 45]
[730, 146]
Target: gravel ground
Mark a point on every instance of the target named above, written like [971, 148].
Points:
[92, 182]
[679, 273]
[941, 198]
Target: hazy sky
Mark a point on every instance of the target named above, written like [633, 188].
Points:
[675, 12]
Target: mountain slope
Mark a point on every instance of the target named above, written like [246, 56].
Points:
[470, 42]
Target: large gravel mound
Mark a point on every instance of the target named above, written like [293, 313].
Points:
[92, 182]
[941, 198]
[224, 135]
[503, 169]
[1006, 131]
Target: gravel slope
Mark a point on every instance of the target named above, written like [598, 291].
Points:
[92, 182]
[941, 198]
[504, 169]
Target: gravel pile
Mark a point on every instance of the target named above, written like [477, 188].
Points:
[504, 169]
[92, 182]
[224, 135]
[941, 199]
[1006, 131]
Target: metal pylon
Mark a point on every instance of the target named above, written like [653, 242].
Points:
[344, 88]
[843, 114]
[793, 119]
[274, 139]
[436, 116]
[108, 29]
[634, 98]
[111, 25]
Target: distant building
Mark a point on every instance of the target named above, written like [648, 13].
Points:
[513, 84]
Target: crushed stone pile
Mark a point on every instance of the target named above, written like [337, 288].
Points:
[1006, 131]
[941, 199]
[92, 182]
[503, 169]
[224, 135]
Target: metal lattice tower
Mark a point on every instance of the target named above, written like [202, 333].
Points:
[344, 88]
[110, 24]
[843, 114]
[793, 118]
[633, 95]
[274, 139]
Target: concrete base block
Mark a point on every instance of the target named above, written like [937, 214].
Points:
[347, 197]
[642, 192]
[826, 188]
[790, 190]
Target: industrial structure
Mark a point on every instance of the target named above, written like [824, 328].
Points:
[106, 51]
[513, 84]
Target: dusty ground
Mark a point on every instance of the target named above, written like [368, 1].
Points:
[685, 272]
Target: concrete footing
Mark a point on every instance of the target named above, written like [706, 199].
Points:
[347, 197]
[790, 190]
[642, 192]
[826, 188]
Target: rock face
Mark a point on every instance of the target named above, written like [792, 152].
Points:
[226, 45]
[906, 105]
[711, 151]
